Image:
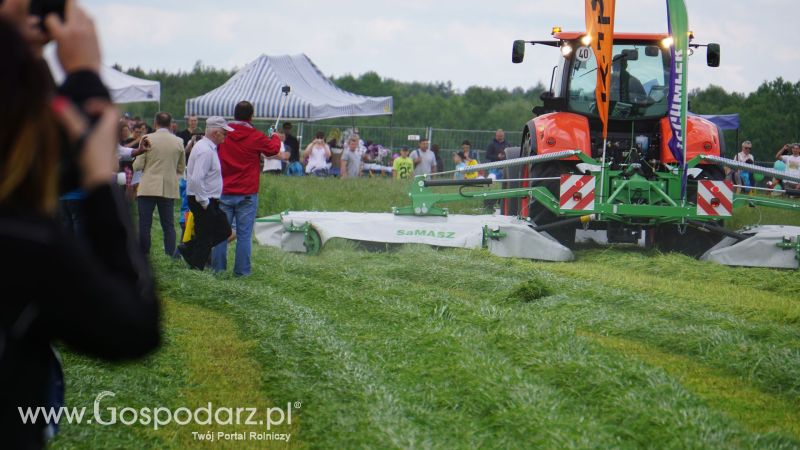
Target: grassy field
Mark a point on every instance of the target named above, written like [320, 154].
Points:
[424, 348]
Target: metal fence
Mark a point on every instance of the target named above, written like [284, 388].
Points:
[394, 138]
[448, 140]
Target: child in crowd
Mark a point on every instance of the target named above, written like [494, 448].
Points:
[403, 166]
[458, 160]
[469, 162]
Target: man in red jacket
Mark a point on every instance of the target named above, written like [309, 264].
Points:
[240, 159]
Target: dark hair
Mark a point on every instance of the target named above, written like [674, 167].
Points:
[320, 135]
[29, 146]
[466, 142]
[287, 125]
[435, 148]
[243, 111]
[424, 139]
[163, 119]
[404, 149]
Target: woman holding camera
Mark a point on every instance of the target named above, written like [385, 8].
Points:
[95, 294]
[317, 153]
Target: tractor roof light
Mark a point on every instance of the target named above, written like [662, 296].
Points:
[667, 42]
[555, 31]
[566, 50]
[586, 40]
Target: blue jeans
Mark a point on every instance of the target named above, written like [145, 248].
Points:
[241, 212]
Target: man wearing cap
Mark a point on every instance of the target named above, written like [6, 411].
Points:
[203, 189]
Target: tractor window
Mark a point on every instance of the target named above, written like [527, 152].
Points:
[639, 83]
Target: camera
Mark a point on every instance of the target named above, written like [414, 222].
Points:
[42, 8]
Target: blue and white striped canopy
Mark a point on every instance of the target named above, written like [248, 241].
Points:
[313, 96]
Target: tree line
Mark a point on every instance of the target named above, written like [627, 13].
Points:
[770, 116]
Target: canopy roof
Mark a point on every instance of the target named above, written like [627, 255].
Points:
[313, 96]
[724, 121]
[123, 88]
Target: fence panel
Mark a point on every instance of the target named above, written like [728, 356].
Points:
[448, 140]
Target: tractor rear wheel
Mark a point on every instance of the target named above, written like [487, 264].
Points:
[539, 214]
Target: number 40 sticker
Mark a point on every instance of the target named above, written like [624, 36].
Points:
[583, 54]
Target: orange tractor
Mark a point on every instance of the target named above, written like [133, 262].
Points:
[638, 136]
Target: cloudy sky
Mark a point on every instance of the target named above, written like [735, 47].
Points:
[466, 42]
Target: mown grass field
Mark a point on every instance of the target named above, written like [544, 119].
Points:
[424, 348]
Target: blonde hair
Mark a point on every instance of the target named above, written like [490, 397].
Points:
[29, 167]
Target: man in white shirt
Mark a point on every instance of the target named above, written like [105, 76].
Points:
[424, 159]
[203, 189]
[274, 164]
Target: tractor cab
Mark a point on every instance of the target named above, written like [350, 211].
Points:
[639, 96]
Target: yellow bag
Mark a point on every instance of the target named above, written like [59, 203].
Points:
[188, 233]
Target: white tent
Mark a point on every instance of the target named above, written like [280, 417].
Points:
[313, 96]
[123, 88]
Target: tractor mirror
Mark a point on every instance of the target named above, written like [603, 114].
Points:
[652, 51]
[630, 55]
[713, 55]
[518, 52]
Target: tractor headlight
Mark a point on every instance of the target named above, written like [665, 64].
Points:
[566, 50]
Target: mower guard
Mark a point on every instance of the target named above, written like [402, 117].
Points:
[775, 246]
[504, 236]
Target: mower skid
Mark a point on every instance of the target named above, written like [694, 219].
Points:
[774, 246]
[504, 236]
[520, 241]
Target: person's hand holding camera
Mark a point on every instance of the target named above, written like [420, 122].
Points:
[18, 12]
[78, 47]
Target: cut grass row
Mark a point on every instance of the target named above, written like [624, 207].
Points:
[419, 348]
[427, 348]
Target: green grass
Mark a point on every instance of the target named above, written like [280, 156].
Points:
[424, 348]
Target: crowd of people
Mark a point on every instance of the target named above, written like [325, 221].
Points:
[787, 160]
[349, 156]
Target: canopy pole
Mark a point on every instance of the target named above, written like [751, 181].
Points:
[300, 137]
[391, 131]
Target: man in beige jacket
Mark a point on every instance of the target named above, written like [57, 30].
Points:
[161, 168]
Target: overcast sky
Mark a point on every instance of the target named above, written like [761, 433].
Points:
[466, 42]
